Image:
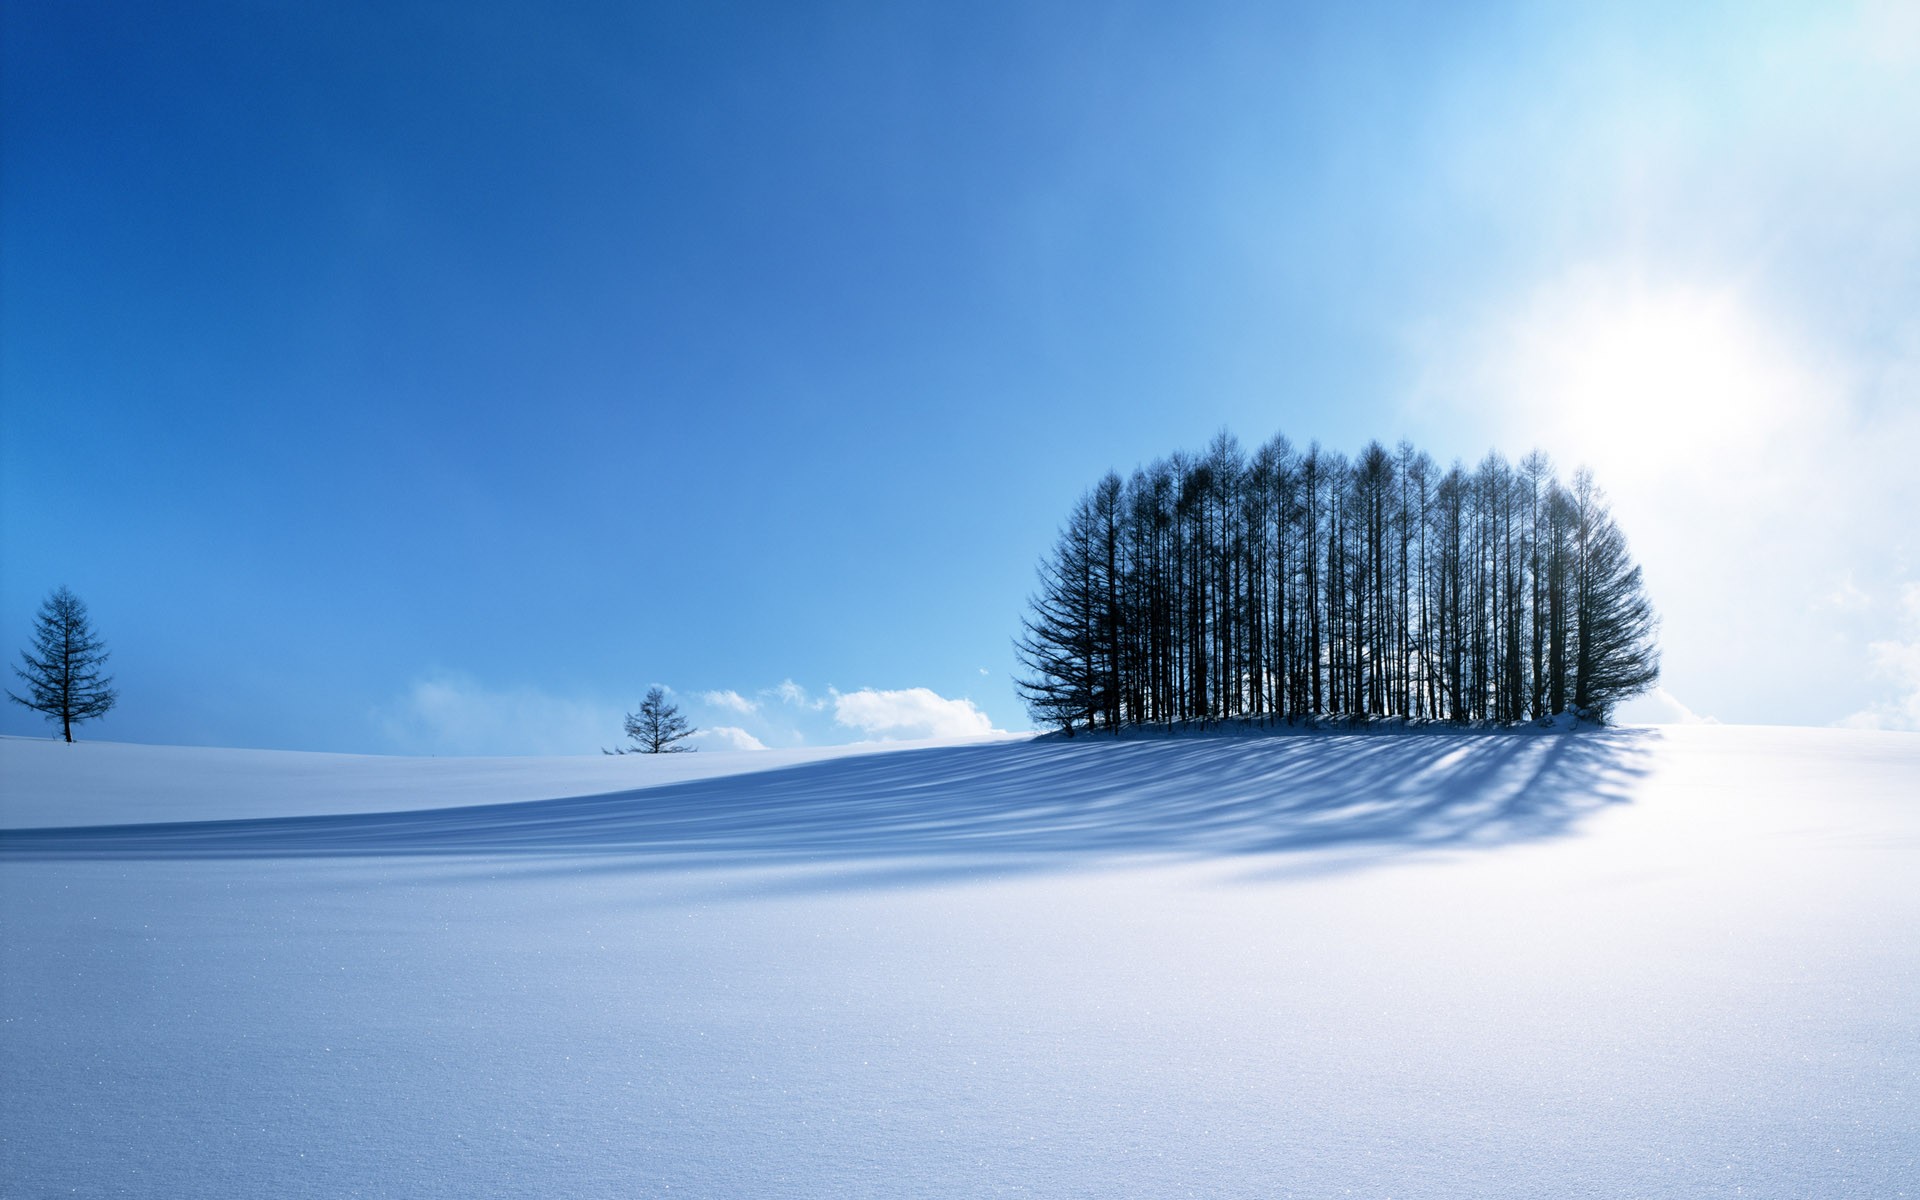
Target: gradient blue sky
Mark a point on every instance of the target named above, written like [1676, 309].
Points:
[432, 378]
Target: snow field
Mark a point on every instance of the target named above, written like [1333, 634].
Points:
[1674, 963]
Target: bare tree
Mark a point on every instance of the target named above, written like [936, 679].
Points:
[658, 728]
[62, 670]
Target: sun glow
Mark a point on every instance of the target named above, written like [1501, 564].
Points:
[1638, 381]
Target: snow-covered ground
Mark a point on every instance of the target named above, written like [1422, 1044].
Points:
[1682, 962]
[49, 782]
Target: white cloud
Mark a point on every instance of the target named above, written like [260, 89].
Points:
[1897, 660]
[909, 713]
[454, 714]
[732, 701]
[729, 737]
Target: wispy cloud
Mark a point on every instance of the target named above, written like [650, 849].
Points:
[731, 701]
[908, 713]
[455, 714]
[1847, 597]
[792, 694]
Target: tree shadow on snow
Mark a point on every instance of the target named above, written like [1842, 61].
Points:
[965, 810]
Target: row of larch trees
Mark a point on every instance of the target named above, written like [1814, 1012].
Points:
[1292, 583]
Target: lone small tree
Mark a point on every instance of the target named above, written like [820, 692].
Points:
[658, 728]
[62, 670]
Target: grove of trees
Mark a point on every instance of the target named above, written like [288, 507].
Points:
[62, 670]
[1291, 583]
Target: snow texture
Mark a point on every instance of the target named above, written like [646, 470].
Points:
[1674, 963]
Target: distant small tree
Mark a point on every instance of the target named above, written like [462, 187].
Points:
[62, 670]
[658, 728]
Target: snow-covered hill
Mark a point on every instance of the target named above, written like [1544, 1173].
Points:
[1680, 962]
[50, 782]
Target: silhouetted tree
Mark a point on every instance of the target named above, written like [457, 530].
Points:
[1060, 639]
[1614, 623]
[62, 670]
[1287, 583]
[658, 728]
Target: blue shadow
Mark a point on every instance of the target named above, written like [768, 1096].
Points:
[1027, 803]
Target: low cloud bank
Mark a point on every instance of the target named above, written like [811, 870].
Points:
[455, 714]
[1896, 660]
[727, 737]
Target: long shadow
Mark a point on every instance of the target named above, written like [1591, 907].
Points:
[1030, 803]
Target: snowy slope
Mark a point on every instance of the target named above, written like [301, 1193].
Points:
[49, 782]
[1673, 963]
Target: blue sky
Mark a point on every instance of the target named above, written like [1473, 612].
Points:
[433, 378]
